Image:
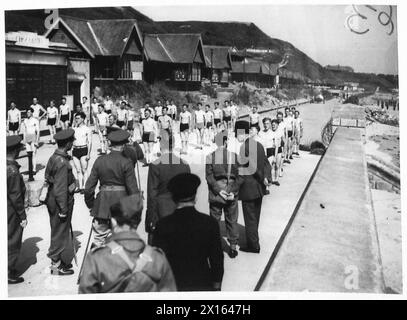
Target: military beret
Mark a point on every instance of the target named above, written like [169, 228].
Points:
[221, 137]
[242, 125]
[118, 136]
[64, 135]
[13, 142]
[183, 186]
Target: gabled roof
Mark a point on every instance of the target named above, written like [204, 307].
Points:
[220, 59]
[100, 37]
[174, 48]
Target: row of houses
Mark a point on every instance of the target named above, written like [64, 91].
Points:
[74, 56]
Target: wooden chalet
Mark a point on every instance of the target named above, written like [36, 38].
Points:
[115, 47]
[176, 59]
[218, 64]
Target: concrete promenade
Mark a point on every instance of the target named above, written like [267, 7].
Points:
[332, 245]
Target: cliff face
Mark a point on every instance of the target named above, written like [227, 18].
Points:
[235, 34]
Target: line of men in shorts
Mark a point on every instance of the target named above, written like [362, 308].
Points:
[280, 136]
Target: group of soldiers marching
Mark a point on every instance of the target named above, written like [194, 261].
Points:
[183, 250]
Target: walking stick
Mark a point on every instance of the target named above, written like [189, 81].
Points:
[84, 256]
[73, 245]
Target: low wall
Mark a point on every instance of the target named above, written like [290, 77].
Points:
[332, 244]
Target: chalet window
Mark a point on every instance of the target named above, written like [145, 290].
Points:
[196, 73]
[180, 75]
[125, 72]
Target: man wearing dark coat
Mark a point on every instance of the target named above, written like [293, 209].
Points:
[60, 201]
[117, 179]
[160, 172]
[16, 216]
[190, 239]
[125, 263]
[253, 171]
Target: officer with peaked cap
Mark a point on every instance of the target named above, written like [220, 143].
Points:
[60, 201]
[190, 239]
[117, 179]
[16, 216]
[125, 263]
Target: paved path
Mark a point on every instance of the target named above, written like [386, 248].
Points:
[241, 274]
[332, 245]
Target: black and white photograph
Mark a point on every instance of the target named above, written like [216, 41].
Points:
[212, 148]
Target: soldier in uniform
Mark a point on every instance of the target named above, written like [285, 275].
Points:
[115, 172]
[60, 201]
[16, 217]
[125, 263]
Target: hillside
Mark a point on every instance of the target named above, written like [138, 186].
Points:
[236, 34]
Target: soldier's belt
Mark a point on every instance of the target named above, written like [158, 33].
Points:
[112, 188]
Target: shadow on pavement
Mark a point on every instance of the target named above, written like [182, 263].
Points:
[28, 254]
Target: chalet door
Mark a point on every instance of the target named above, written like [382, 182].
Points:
[74, 89]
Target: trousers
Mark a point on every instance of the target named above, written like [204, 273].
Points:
[231, 214]
[101, 229]
[251, 215]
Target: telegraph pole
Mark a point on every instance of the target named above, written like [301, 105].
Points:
[211, 65]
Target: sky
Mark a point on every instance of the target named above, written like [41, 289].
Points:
[320, 31]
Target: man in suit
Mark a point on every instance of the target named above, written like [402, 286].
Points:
[115, 173]
[160, 172]
[222, 176]
[254, 172]
[190, 239]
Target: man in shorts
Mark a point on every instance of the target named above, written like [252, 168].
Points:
[82, 147]
[158, 110]
[52, 115]
[254, 116]
[234, 112]
[13, 119]
[209, 135]
[86, 109]
[122, 115]
[64, 114]
[108, 105]
[184, 128]
[172, 110]
[217, 116]
[94, 111]
[165, 123]
[271, 140]
[199, 125]
[289, 120]
[298, 132]
[148, 131]
[130, 119]
[102, 119]
[227, 115]
[39, 111]
[31, 137]
[282, 132]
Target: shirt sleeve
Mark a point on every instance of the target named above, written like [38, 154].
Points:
[130, 178]
[210, 178]
[61, 186]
